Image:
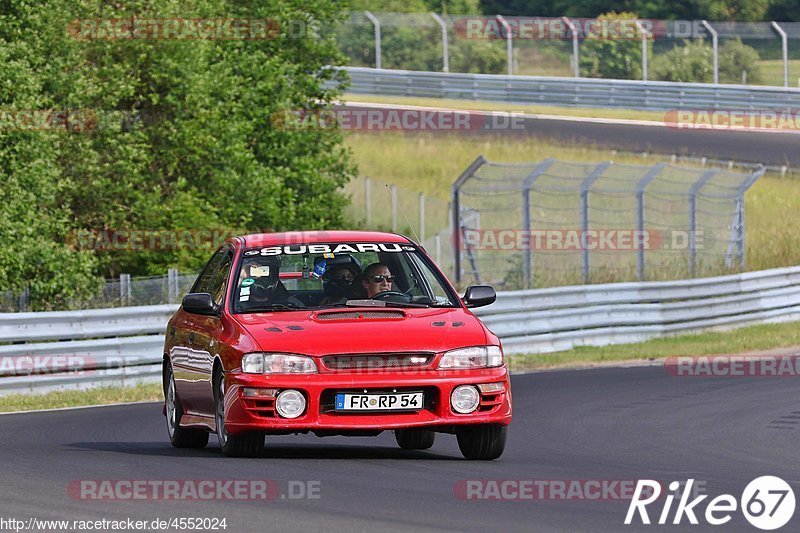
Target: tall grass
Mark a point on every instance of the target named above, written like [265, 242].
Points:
[430, 164]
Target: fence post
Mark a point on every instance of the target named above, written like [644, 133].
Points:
[445, 52]
[586, 185]
[527, 185]
[693, 219]
[125, 288]
[368, 200]
[714, 43]
[393, 192]
[377, 24]
[172, 285]
[740, 211]
[640, 187]
[437, 244]
[785, 48]
[509, 44]
[24, 296]
[422, 217]
[576, 71]
[456, 214]
[643, 31]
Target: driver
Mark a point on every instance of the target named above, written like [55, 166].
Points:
[377, 278]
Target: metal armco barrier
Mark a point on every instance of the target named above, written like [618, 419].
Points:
[40, 352]
[560, 318]
[578, 92]
[531, 321]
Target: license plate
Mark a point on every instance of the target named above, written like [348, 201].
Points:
[393, 401]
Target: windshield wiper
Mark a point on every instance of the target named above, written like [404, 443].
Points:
[406, 304]
[275, 307]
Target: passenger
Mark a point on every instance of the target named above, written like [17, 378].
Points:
[337, 282]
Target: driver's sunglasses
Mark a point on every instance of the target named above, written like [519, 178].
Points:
[379, 279]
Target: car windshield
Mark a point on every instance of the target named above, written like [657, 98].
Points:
[315, 276]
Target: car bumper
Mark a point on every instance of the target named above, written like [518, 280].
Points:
[248, 414]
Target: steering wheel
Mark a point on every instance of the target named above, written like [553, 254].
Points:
[392, 296]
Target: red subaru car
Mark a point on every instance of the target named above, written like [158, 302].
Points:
[336, 333]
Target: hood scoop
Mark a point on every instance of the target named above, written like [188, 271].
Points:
[351, 315]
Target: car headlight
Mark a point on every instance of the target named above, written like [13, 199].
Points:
[474, 357]
[278, 363]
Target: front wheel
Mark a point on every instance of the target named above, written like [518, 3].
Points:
[180, 437]
[414, 439]
[484, 442]
[245, 445]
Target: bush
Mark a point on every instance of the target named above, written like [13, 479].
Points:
[619, 58]
[694, 62]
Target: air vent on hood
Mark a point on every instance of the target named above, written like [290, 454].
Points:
[328, 316]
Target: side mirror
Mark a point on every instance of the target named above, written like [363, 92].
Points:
[479, 295]
[199, 303]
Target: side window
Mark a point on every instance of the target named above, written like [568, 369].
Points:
[203, 282]
[219, 281]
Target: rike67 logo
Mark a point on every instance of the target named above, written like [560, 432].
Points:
[767, 503]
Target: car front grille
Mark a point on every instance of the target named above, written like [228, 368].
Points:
[377, 361]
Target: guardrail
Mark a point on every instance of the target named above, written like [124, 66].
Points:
[531, 321]
[80, 349]
[560, 318]
[577, 92]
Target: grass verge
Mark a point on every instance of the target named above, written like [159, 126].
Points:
[77, 398]
[477, 105]
[749, 339]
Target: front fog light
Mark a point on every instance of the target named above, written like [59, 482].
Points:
[290, 403]
[465, 399]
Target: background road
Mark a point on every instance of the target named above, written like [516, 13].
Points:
[769, 148]
[606, 424]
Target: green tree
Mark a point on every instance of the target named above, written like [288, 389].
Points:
[200, 148]
[616, 55]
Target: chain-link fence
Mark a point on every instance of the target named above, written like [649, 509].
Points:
[423, 218]
[123, 292]
[560, 223]
[760, 53]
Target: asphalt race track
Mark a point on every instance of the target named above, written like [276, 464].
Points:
[606, 424]
[769, 148]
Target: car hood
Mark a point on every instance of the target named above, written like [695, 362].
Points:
[357, 330]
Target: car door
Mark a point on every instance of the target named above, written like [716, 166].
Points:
[207, 331]
[191, 355]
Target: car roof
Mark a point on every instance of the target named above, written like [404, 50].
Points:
[255, 240]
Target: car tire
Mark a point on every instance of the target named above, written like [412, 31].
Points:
[243, 445]
[484, 442]
[414, 439]
[180, 437]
